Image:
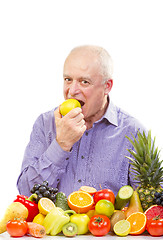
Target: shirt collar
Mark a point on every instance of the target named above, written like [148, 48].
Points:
[111, 113]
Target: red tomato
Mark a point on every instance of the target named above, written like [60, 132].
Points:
[155, 226]
[17, 228]
[104, 194]
[99, 225]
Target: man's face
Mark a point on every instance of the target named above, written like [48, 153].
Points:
[83, 81]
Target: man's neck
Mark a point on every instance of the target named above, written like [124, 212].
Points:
[90, 121]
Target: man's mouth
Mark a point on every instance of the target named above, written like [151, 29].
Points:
[81, 102]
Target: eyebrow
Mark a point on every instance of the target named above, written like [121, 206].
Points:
[81, 78]
[65, 75]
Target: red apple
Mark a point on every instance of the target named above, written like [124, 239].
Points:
[104, 194]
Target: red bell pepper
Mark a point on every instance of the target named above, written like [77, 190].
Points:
[29, 204]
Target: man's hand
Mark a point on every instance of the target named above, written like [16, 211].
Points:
[70, 128]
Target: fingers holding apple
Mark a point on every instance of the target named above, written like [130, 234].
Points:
[70, 128]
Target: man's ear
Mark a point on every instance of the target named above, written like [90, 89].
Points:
[108, 86]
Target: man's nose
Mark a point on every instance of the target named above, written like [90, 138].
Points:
[74, 88]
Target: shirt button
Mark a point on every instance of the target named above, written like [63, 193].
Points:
[58, 180]
[79, 180]
[82, 157]
[86, 133]
[67, 158]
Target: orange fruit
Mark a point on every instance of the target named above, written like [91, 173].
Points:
[80, 201]
[90, 190]
[138, 222]
[45, 205]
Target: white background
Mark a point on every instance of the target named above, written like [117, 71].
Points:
[35, 38]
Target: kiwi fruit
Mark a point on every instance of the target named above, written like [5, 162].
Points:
[117, 216]
[70, 229]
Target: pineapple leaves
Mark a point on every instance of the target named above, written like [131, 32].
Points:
[135, 145]
[144, 160]
[149, 140]
[136, 156]
[155, 153]
[141, 143]
[153, 147]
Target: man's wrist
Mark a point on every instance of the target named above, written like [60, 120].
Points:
[66, 147]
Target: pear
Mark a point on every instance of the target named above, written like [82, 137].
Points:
[134, 204]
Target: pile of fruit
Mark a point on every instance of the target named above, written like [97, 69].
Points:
[48, 211]
[84, 211]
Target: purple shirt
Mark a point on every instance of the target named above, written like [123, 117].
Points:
[98, 158]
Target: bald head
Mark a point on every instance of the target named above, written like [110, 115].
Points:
[104, 59]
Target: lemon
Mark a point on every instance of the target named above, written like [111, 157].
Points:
[39, 218]
[68, 105]
[45, 205]
[91, 213]
[122, 228]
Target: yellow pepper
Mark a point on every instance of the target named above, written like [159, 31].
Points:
[55, 220]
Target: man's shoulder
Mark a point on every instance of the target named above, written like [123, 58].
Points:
[127, 120]
[45, 118]
[48, 115]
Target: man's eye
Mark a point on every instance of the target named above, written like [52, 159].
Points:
[67, 79]
[84, 82]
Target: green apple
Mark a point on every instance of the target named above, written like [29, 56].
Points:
[104, 207]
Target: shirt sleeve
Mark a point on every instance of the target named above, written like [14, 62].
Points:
[41, 161]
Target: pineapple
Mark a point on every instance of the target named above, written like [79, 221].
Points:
[146, 167]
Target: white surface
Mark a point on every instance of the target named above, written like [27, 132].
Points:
[109, 236]
[35, 38]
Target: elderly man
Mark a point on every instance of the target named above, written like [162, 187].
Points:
[88, 145]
